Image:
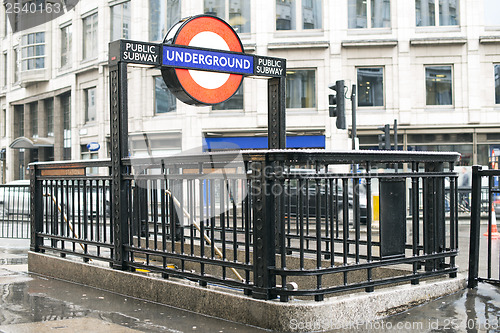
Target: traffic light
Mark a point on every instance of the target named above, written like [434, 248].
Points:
[384, 140]
[337, 103]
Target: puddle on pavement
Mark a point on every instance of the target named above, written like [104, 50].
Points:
[46, 300]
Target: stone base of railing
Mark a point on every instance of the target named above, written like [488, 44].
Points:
[293, 316]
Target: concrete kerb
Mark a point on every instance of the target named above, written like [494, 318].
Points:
[293, 316]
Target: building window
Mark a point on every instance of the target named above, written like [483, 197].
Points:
[371, 86]
[289, 12]
[425, 12]
[438, 82]
[4, 123]
[301, 89]
[120, 21]
[369, 14]
[5, 68]
[19, 113]
[162, 15]
[491, 10]
[237, 13]
[33, 51]
[34, 119]
[86, 155]
[497, 84]
[165, 101]
[66, 110]
[49, 112]
[234, 103]
[66, 42]
[16, 65]
[90, 37]
[90, 104]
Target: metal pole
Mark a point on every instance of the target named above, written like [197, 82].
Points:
[474, 227]
[353, 102]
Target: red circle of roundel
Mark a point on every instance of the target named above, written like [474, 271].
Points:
[195, 92]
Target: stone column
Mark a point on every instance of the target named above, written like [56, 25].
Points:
[42, 129]
[27, 133]
[58, 129]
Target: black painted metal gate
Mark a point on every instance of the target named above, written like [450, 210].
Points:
[484, 255]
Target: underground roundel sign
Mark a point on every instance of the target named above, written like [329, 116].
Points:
[212, 46]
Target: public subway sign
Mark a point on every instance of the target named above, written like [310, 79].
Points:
[201, 59]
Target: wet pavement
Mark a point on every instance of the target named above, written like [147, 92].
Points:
[30, 303]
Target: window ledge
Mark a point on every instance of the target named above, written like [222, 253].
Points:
[438, 41]
[370, 42]
[369, 31]
[249, 47]
[439, 29]
[299, 45]
[489, 39]
[440, 108]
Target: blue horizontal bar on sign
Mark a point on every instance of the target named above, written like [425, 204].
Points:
[201, 59]
[248, 142]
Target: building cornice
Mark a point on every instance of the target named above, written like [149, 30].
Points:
[370, 43]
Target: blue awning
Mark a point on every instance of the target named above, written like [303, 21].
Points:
[260, 142]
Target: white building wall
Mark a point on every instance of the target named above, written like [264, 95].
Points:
[334, 51]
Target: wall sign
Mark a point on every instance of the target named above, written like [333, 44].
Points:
[201, 87]
[93, 146]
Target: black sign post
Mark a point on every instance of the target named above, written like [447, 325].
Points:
[123, 52]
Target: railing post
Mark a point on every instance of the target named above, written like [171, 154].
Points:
[475, 222]
[434, 215]
[36, 209]
[264, 231]
[119, 150]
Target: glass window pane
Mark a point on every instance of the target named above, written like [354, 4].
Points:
[165, 101]
[215, 8]
[40, 50]
[285, 15]
[66, 46]
[162, 15]
[448, 12]
[438, 80]
[90, 104]
[491, 10]
[497, 84]
[40, 37]
[357, 14]
[425, 12]
[301, 89]
[120, 17]
[40, 63]
[49, 111]
[90, 37]
[371, 86]
[239, 15]
[381, 13]
[311, 14]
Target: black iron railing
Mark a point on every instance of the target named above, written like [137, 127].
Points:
[491, 237]
[273, 223]
[15, 210]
